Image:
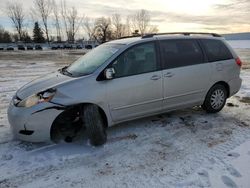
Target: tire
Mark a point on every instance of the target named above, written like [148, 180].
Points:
[94, 124]
[215, 99]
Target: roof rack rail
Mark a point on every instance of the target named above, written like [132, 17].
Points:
[132, 36]
[181, 33]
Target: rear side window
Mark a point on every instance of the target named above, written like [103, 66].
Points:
[216, 50]
[179, 53]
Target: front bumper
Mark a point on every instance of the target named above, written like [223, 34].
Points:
[33, 124]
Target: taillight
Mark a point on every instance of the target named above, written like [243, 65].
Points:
[238, 62]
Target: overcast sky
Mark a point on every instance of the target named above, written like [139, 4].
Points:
[222, 16]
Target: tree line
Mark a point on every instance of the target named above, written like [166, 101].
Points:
[67, 22]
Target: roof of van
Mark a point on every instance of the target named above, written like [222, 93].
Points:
[150, 37]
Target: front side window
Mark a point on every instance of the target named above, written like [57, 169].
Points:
[216, 50]
[179, 53]
[88, 63]
[137, 60]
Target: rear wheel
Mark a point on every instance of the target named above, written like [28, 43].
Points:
[94, 124]
[215, 99]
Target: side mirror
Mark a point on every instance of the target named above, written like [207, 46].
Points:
[109, 73]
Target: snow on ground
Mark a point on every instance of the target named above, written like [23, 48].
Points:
[185, 148]
[230, 171]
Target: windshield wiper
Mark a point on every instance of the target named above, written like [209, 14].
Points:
[64, 71]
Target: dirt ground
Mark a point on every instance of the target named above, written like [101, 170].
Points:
[57, 56]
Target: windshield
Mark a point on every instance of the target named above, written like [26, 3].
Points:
[88, 63]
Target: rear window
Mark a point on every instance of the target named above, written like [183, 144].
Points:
[179, 53]
[216, 50]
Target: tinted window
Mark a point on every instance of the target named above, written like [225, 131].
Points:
[136, 60]
[178, 53]
[216, 50]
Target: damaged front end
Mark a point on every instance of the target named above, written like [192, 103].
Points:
[68, 125]
[33, 123]
[36, 115]
[46, 122]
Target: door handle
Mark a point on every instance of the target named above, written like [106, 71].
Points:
[169, 74]
[155, 77]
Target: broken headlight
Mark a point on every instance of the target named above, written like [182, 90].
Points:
[41, 97]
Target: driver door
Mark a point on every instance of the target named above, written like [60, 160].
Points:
[136, 89]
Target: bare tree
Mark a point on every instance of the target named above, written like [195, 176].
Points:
[64, 16]
[103, 29]
[127, 27]
[57, 22]
[43, 8]
[141, 21]
[32, 16]
[118, 26]
[153, 29]
[16, 13]
[89, 27]
[72, 21]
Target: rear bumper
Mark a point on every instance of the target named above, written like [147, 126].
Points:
[33, 124]
[235, 85]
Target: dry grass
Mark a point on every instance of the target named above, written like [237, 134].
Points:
[57, 56]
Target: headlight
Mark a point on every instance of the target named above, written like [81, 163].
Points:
[36, 99]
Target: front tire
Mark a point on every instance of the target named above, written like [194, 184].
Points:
[94, 124]
[215, 99]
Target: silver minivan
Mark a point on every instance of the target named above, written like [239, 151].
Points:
[123, 80]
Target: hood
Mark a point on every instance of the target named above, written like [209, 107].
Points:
[41, 84]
